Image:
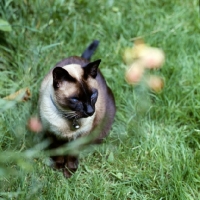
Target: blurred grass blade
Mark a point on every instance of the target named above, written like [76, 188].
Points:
[5, 26]
[50, 46]
[4, 104]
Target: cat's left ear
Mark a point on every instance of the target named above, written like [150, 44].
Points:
[91, 68]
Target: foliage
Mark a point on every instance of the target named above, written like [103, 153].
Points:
[153, 150]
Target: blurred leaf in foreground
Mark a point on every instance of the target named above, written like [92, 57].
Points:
[5, 26]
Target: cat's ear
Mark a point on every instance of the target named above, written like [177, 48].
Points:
[91, 69]
[59, 76]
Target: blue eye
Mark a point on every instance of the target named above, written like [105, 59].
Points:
[94, 95]
[74, 100]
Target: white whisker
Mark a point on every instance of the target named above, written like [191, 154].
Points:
[70, 115]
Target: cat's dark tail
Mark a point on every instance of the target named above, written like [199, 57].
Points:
[87, 54]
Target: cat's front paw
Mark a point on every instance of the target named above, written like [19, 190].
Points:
[57, 162]
[67, 164]
[70, 167]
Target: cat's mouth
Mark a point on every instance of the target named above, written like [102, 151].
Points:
[83, 115]
[77, 115]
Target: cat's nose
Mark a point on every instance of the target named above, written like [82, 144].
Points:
[90, 110]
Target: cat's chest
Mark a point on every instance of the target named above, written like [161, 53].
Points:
[64, 129]
[52, 121]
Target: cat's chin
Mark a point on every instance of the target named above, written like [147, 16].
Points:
[84, 115]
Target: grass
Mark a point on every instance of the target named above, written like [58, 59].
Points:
[153, 150]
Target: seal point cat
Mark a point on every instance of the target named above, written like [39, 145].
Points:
[74, 102]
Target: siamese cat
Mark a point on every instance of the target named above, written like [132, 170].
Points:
[74, 102]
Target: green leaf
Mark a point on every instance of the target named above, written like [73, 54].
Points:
[111, 157]
[5, 26]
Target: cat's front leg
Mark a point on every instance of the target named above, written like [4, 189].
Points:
[70, 165]
[58, 162]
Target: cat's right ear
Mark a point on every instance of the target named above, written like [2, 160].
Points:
[59, 76]
[91, 68]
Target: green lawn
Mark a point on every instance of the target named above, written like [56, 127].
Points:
[153, 150]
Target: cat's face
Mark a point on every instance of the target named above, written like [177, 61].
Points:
[76, 89]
